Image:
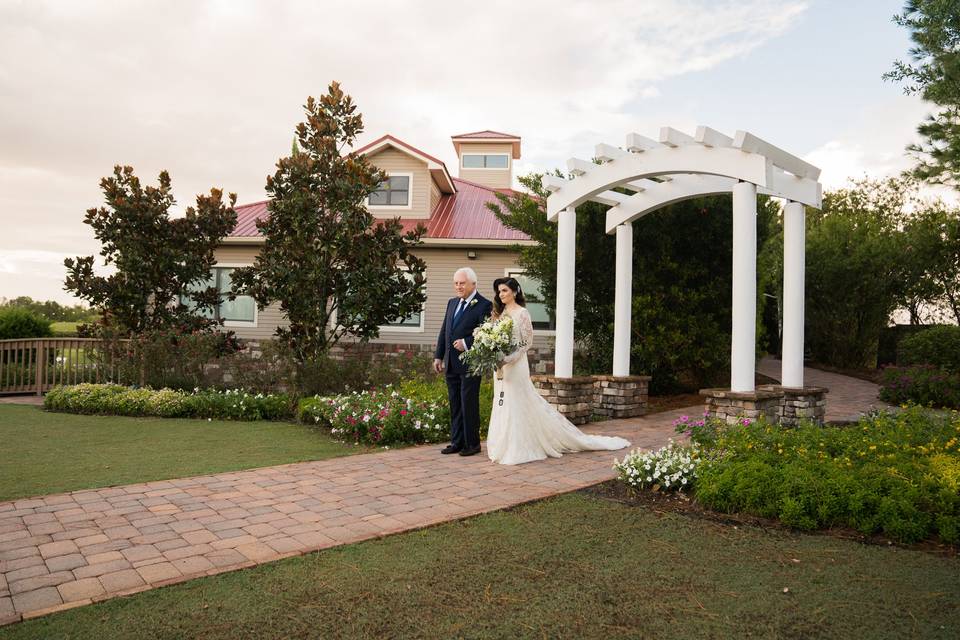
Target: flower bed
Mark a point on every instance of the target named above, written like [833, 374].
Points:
[673, 467]
[114, 399]
[926, 385]
[893, 474]
[380, 418]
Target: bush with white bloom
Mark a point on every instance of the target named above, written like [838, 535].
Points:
[670, 468]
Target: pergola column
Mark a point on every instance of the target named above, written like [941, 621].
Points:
[794, 249]
[623, 301]
[744, 336]
[566, 263]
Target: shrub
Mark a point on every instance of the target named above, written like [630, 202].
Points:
[114, 399]
[890, 474]
[938, 346]
[673, 467]
[16, 322]
[925, 385]
[380, 418]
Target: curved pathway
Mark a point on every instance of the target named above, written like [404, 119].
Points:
[67, 550]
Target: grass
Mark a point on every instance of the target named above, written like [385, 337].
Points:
[45, 453]
[65, 328]
[572, 566]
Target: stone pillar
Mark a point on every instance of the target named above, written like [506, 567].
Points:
[623, 300]
[620, 396]
[794, 254]
[566, 262]
[731, 406]
[573, 397]
[743, 345]
[801, 404]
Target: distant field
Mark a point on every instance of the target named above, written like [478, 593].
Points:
[65, 328]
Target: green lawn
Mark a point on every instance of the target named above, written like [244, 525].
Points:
[65, 328]
[53, 452]
[574, 566]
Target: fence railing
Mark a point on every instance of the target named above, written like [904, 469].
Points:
[38, 365]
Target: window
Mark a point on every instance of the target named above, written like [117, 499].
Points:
[242, 310]
[539, 313]
[393, 192]
[486, 161]
[412, 321]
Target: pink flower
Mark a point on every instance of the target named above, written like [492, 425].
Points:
[403, 412]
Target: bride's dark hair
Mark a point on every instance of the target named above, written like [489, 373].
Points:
[514, 286]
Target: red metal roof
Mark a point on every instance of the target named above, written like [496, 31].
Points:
[486, 134]
[461, 216]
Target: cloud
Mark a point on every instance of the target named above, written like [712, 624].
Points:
[875, 146]
[211, 91]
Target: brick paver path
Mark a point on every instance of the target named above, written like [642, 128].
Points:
[848, 397]
[66, 550]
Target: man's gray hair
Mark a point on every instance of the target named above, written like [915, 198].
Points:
[467, 271]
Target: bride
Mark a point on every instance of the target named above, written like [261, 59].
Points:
[523, 426]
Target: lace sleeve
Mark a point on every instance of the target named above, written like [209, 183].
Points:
[525, 329]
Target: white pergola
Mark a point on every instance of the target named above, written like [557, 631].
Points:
[679, 167]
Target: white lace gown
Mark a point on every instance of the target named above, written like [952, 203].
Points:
[523, 426]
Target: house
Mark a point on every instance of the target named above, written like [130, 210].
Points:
[461, 231]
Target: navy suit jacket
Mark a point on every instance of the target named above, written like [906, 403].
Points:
[470, 318]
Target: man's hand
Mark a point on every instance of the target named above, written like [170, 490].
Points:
[460, 345]
[438, 365]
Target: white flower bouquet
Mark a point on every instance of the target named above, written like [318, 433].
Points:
[492, 341]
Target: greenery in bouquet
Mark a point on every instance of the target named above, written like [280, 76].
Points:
[492, 340]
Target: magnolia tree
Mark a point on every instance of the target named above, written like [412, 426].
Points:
[157, 261]
[334, 270]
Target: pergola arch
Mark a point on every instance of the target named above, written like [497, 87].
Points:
[680, 167]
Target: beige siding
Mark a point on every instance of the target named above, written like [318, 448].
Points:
[497, 178]
[393, 161]
[490, 264]
[434, 195]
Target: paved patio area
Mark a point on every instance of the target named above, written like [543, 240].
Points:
[67, 550]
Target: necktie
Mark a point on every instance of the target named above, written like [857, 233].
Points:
[460, 307]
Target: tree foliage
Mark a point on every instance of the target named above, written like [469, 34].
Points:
[19, 322]
[334, 270]
[155, 258]
[51, 309]
[681, 283]
[934, 75]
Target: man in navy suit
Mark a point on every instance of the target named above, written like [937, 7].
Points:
[465, 312]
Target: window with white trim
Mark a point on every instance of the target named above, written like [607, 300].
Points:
[539, 313]
[243, 309]
[486, 161]
[412, 321]
[392, 192]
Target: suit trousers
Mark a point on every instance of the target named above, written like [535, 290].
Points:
[464, 394]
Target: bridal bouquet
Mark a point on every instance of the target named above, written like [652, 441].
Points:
[491, 342]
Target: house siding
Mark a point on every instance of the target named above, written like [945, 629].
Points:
[393, 161]
[491, 263]
[496, 178]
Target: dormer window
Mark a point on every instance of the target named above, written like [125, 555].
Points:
[486, 161]
[393, 192]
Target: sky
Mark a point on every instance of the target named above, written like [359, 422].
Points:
[211, 91]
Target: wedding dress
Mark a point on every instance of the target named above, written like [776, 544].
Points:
[523, 426]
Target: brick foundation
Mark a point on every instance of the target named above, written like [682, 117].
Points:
[573, 397]
[620, 396]
[779, 405]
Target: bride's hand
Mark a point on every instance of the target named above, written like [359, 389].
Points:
[499, 373]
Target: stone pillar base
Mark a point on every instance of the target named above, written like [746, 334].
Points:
[620, 396]
[730, 406]
[801, 403]
[573, 397]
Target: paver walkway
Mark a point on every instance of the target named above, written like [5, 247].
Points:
[848, 397]
[66, 550]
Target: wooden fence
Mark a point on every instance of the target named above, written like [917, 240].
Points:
[38, 365]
